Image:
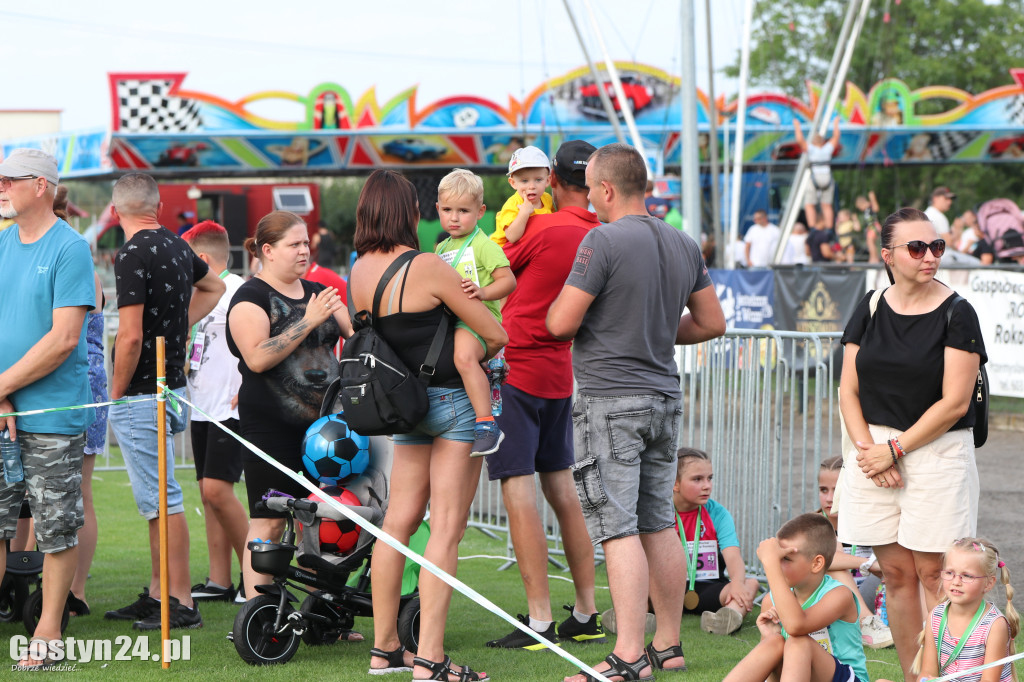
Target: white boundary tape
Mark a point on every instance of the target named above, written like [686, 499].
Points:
[450, 580]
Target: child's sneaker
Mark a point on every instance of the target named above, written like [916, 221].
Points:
[608, 622]
[572, 630]
[725, 621]
[486, 438]
[874, 634]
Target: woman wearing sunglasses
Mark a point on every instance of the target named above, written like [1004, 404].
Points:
[910, 485]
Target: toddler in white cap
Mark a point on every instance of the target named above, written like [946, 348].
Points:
[528, 173]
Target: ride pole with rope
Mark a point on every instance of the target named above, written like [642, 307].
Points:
[161, 449]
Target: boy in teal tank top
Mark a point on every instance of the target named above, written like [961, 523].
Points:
[808, 620]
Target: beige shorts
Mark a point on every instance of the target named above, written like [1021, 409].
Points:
[937, 504]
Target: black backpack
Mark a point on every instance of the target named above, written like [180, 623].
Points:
[378, 394]
[981, 385]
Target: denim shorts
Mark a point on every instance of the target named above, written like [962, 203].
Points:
[134, 426]
[625, 462]
[450, 417]
[53, 484]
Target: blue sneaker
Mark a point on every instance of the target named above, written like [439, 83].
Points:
[486, 438]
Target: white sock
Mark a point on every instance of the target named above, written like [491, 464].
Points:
[580, 617]
[540, 625]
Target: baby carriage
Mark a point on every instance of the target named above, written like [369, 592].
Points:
[17, 599]
[268, 628]
[1003, 225]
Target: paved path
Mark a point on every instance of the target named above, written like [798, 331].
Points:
[1001, 508]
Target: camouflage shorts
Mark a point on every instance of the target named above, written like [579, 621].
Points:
[53, 484]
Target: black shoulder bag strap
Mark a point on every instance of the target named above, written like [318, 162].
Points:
[429, 365]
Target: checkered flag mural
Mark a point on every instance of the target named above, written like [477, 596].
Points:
[946, 145]
[145, 107]
[1015, 109]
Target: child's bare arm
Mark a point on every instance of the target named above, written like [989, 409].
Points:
[874, 201]
[837, 604]
[737, 576]
[768, 620]
[514, 231]
[995, 648]
[504, 284]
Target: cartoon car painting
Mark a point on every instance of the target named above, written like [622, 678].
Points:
[638, 97]
[412, 149]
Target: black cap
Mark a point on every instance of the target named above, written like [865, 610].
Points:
[571, 161]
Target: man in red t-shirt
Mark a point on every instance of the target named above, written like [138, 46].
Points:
[537, 409]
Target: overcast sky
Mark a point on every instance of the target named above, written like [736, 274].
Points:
[57, 54]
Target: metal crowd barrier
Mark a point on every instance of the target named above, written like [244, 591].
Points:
[764, 405]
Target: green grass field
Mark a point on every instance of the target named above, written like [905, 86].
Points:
[121, 567]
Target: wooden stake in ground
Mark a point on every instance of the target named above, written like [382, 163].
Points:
[161, 449]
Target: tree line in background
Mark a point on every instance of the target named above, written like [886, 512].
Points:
[967, 44]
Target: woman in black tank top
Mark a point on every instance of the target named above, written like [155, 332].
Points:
[435, 456]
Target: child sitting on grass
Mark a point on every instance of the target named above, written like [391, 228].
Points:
[850, 561]
[808, 621]
[486, 276]
[528, 173]
[969, 570]
[722, 603]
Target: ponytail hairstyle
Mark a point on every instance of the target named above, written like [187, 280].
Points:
[994, 567]
[903, 215]
[685, 455]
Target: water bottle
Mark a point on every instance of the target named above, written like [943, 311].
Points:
[496, 374]
[11, 452]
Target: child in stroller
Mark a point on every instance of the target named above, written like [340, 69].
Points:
[267, 629]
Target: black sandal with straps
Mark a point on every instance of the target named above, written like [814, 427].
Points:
[440, 670]
[658, 658]
[395, 659]
[619, 668]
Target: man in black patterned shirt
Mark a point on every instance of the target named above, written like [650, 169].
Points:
[155, 274]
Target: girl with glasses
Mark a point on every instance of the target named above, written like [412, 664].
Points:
[966, 631]
[910, 484]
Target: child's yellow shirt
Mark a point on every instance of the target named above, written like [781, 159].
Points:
[509, 212]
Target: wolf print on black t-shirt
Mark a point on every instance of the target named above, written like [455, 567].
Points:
[301, 379]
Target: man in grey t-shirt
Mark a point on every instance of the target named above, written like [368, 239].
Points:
[623, 302]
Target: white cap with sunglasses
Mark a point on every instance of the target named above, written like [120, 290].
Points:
[24, 163]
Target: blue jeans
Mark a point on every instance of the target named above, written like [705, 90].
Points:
[134, 426]
[450, 417]
[625, 462]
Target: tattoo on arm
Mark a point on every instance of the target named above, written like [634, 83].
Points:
[290, 335]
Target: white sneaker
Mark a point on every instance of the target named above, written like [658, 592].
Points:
[608, 622]
[874, 633]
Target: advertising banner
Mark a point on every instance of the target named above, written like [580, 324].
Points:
[998, 298]
[815, 301]
[747, 297]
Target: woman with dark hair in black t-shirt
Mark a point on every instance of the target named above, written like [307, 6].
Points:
[283, 330]
[432, 462]
[910, 484]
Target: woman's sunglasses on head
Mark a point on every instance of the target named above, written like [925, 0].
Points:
[917, 248]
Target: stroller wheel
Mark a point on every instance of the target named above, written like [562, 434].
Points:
[324, 633]
[409, 624]
[34, 610]
[255, 637]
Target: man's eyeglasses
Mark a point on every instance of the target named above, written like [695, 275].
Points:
[917, 248]
[5, 183]
[967, 578]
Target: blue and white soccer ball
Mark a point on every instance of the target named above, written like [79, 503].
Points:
[332, 452]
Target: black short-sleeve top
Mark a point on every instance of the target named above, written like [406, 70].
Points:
[292, 391]
[901, 358]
